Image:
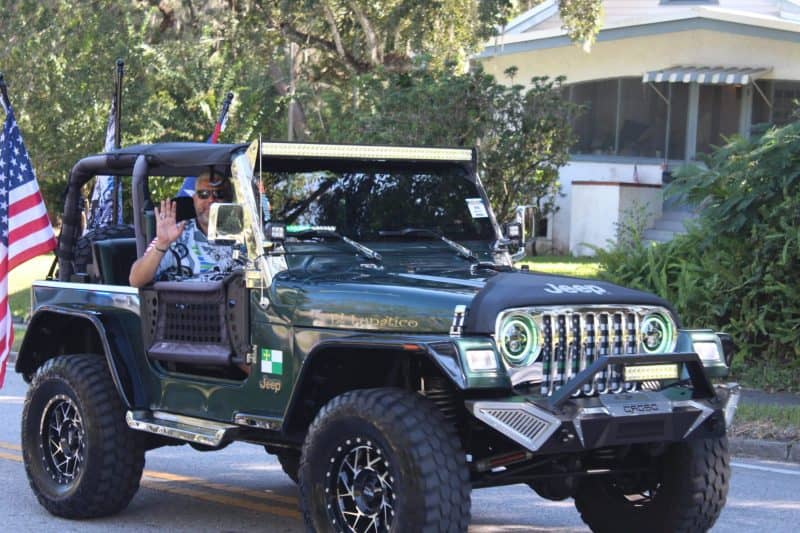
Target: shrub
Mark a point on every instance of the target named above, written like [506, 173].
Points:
[738, 267]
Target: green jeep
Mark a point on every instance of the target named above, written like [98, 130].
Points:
[376, 338]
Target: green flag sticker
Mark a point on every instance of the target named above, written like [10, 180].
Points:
[271, 361]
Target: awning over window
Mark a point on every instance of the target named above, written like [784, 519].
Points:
[707, 75]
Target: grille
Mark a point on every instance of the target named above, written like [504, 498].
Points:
[571, 341]
[573, 338]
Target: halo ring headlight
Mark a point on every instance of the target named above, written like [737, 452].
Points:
[519, 340]
[657, 333]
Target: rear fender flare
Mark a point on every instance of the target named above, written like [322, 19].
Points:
[56, 330]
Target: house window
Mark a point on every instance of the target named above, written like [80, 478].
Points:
[642, 119]
[718, 115]
[762, 112]
[595, 126]
[679, 108]
[786, 95]
[624, 117]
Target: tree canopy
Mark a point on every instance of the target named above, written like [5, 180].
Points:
[325, 70]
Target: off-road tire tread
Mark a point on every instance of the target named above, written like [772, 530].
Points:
[290, 463]
[120, 457]
[701, 470]
[430, 439]
[710, 479]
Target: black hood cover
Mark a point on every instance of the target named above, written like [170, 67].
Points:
[523, 289]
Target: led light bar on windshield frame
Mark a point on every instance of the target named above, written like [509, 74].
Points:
[364, 152]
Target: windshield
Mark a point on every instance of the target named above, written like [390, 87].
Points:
[364, 203]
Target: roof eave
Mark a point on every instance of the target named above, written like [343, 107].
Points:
[557, 37]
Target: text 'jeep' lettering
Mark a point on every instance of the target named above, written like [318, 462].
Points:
[575, 289]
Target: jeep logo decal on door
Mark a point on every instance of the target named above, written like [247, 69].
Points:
[574, 289]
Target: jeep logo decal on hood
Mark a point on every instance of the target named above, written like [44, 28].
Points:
[575, 289]
[528, 289]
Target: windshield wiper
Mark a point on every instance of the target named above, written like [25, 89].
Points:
[462, 250]
[368, 253]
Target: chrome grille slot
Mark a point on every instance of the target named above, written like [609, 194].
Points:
[547, 355]
[560, 350]
[589, 348]
[572, 339]
[616, 349]
[601, 381]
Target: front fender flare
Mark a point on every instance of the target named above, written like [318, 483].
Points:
[56, 330]
[439, 350]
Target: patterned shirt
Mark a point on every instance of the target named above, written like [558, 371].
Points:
[199, 259]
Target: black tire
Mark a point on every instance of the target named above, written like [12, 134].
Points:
[290, 463]
[421, 485]
[81, 458]
[689, 492]
[82, 250]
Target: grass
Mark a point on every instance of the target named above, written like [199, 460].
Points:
[760, 421]
[768, 375]
[579, 267]
[19, 292]
[19, 285]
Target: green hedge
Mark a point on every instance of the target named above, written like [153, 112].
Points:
[738, 267]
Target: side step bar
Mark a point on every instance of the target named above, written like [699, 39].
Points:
[180, 427]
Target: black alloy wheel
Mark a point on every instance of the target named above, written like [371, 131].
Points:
[380, 460]
[81, 458]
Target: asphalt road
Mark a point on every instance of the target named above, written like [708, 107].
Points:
[243, 489]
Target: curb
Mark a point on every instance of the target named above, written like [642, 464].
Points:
[765, 449]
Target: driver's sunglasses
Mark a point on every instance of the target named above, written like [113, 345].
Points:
[205, 194]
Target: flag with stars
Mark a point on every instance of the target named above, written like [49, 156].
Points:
[25, 229]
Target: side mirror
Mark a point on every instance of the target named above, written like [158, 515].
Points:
[226, 223]
[512, 231]
[275, 231]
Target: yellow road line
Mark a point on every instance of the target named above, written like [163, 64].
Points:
[157, 482]
[229, 501]
[11, 457]
[167, 476]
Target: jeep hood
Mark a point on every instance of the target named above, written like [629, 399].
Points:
[425, 302]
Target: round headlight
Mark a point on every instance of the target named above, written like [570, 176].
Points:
[657, 333]
[519, 340]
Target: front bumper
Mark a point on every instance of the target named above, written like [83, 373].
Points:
[566, 423]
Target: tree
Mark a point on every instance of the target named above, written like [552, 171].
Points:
[524, 133]
[181, 58]
[528, 141]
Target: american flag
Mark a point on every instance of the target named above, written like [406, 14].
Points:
[25, 229]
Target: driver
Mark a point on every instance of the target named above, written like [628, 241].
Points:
[182, 249]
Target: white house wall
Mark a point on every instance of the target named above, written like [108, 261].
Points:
[591, 229]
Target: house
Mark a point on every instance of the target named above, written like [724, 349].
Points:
[665, 81]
